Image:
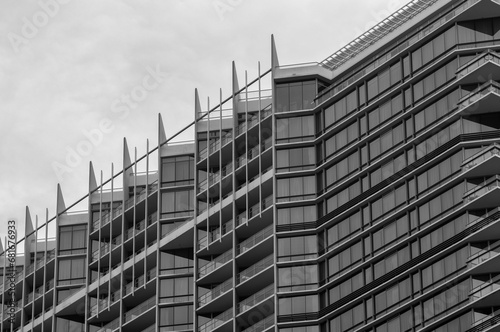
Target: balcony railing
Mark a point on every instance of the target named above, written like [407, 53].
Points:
[483, 320]
[215, 235]
[111, 326]
[254, 239]
[139, 281]
[216, 263]
[217, 321]
[216, 291]
[255, 298]
[140, 309]
[477, 94]
[484, 254]
[254, 269]
[254, 210]
[480, 190]
[261, 325]
[128, 203]
[476, 293]
[478, 62]
[481, 156]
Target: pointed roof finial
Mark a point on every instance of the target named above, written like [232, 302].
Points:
[162, 137]
[274, 54]
[126, 155]
[60, 206]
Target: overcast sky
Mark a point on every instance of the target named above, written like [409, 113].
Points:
[67, 68]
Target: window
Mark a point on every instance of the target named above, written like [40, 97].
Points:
[342, 169]
[176, 262]
[345, 260]
[297, 248]
[71, 271]
[295, 96]
[177, 204]
[297, 215]
[69, 325]
[341, 139]
[72, 239]
[344, 229]
[176, 318]
[298, 305]
[298, 278]
[296, 159]
[297, 188]
[177, 171]
[176, 290]
[295, 129]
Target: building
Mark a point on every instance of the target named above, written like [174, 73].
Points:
[360, 193]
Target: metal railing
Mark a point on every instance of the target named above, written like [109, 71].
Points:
[483, 188]
[474, 64]
[254, 210]
[255, 298]
[254, 269]
[254, 239]
[217, 321]
[140, 309]
[479, 93]
[139, 281]
[215, 234]
[481, 156]
[484, 319]
[110, 326]
[261, 325]
[484, 254]
[216, 292]
[216, 263]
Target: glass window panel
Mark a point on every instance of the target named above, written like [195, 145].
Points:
[372, 88]
[296, 96]
[282, 98]
[309, 93]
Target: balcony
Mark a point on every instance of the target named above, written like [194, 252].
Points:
[140, 309]
[482, 100]
[215, 264]
[215, 145]
[262, 325]
[220, 320]
[105, 248]
[484, 195]
[255, 239]
[483, 163]
[128, 203]
[258, 297]
[216, 292]
[484, 65]
[486, 322]
[485, 256]
[254, 210]
[111, 326]
[214, 235]
[255, 269]
[139, 281]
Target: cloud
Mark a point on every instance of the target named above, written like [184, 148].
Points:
[66, 78]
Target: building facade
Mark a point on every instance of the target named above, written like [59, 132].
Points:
[360, 193]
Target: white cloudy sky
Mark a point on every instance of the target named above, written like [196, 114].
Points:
[61, 74]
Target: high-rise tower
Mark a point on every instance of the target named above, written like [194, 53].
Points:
[360, 193]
